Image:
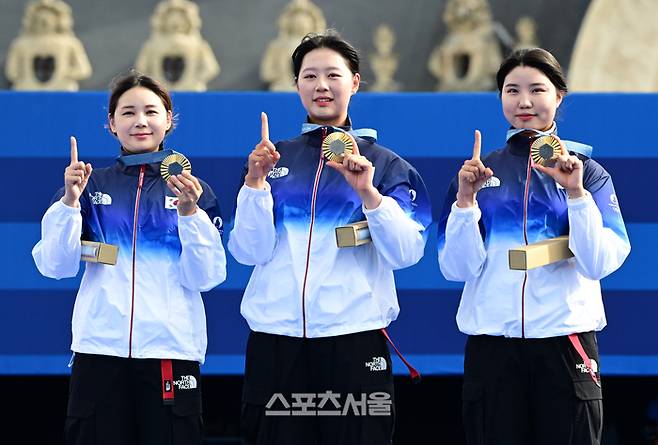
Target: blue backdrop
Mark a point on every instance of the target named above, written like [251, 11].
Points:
[218, 130]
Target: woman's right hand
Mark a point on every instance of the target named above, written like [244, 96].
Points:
[472, 176]
[76, 177]
[262, 159]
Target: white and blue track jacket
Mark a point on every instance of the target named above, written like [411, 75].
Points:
[149, 304]
[305, 286]
[518, 206]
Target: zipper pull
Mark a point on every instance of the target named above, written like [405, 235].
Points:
[324, 135]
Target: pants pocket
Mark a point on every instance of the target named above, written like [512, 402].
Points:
[80, 424]
[473, 412]
[588, 413]
[378, 426]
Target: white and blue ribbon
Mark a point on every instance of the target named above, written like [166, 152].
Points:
[572, 146]
[364, 133]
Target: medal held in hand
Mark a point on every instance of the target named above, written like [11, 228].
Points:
[545, 150]
[336, 146]
[174, 164]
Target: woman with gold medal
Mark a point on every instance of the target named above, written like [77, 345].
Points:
[139, 325]
[531, 370]
[316, 311]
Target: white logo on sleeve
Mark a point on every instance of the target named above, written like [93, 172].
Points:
[412, 195]
[377, 364]
[492, 181]
[171, 202]
[186, 382]
[100, 198]
[614, 203]
[217, 222]
[278, 172]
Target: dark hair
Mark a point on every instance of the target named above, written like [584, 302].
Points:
[536, 58]
[332, 40]
[133, 79]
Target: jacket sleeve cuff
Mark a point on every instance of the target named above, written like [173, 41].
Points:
[199, 215]
[466, 212]
[59, 206]
[248, 189]
[580, 203]
[383, 206]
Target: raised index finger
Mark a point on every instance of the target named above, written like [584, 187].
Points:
[476, 146]
[74, 150]
[264, 127]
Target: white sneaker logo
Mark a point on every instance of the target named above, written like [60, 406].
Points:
[377, 364]
[186, 382]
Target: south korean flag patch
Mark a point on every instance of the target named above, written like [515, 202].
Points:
[171, 202]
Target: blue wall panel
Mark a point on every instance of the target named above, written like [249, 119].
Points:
[217, 131]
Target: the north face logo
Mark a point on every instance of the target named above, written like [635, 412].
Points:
[377, 364]
[100, 198]
[278, 172]
[582, 367]
[186, 382]
[491, 182]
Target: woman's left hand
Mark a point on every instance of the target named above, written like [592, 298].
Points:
[359, 172]
[567, 171]
[188, 191]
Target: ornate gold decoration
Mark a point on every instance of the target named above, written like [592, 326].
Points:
[299, 18]
[176, 52]
[47, 55]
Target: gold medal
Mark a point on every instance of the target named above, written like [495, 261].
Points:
[545, 149]
[174, 164]
[336, 146]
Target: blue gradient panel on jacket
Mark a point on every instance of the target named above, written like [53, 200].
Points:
[217, 130]
[521, 205]
[502, 199]
[108, 204]
[337, 203]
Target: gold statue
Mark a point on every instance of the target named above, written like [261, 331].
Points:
[46, 55]
[526, 33]
[384, 62]
[300, 17]
[616, 48]
[469, 56]
[175, 52]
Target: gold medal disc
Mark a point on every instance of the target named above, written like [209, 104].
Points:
[174, 164]
[336, 146]
[545, 149]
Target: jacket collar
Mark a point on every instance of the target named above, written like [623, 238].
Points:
[363, 133]
[128, 162]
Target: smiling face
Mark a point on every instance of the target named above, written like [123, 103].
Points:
[529, 99]
[325, 85]
[140, 120]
